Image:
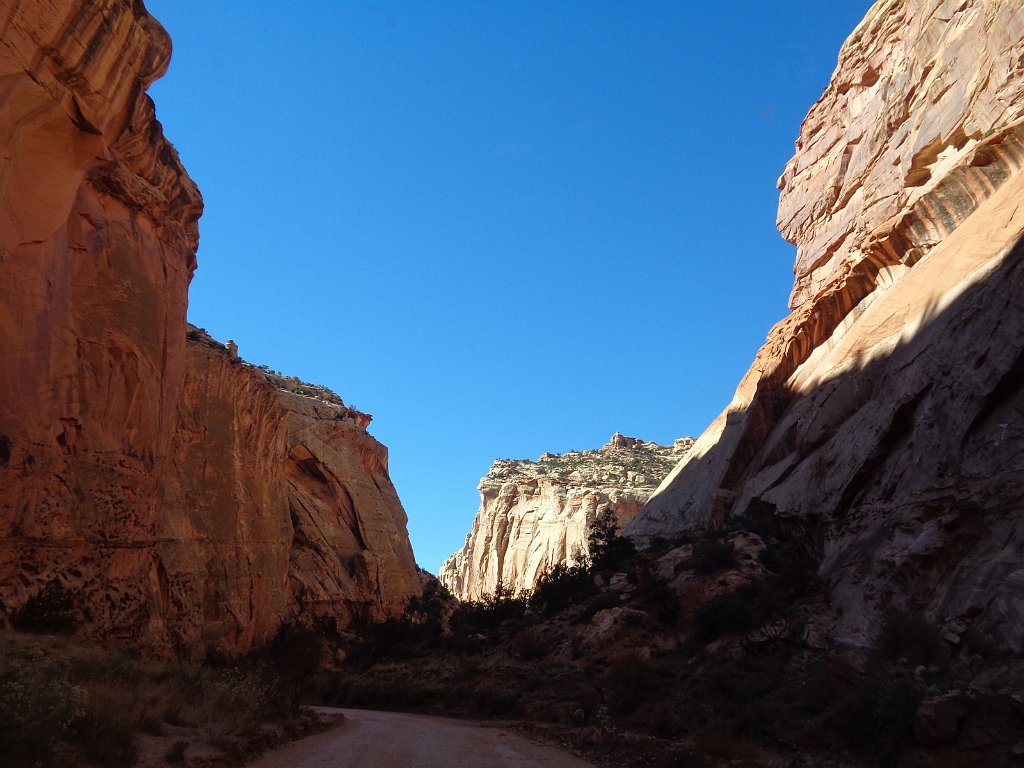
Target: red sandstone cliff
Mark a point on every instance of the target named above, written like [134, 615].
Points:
[182, 499]
[882, 423]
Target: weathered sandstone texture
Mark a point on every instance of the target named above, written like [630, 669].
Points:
[534, 514]
[882, 424]
[181, 498]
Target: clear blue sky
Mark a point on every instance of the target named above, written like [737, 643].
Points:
[502, 228]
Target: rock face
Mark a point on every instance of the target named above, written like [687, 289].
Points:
[882, 423]
[178, 495]
[534, 514]
[286, 497]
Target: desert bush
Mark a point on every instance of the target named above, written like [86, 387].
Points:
[632, 680]
[597, 603]
[663, 603]
[35, 709]
[530, 645]
[399, 688]
[660, 545]
[295, 655]
[63, 702]
[752, 676]
[105, 731]
[743, 695]
[608, 549]
[234, 700]
[396, 639]
[384, 641]
[54, 702]
[562, 587]
[431, 606]
[489, 614]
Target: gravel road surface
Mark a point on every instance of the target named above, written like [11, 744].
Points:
[368, 739]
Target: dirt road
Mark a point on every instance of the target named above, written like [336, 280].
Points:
[389, 740]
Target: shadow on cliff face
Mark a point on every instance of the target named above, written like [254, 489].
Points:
[699, 651]
[843, 586]
[900, 472]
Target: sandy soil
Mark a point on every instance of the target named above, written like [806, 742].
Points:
[368, 739]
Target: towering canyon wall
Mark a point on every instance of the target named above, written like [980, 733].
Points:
[882, 424]
[165, 486]
[535, 514]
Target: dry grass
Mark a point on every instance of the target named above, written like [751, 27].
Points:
[65, 702]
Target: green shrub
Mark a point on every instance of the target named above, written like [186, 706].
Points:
[609, 550]
[489, 614]
[563, 587]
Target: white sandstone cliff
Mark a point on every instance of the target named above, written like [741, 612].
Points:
[534, 514]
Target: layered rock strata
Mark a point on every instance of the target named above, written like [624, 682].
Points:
[881, 424]
[534, 514]
[165, 486]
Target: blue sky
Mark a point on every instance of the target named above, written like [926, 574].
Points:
[502, 228]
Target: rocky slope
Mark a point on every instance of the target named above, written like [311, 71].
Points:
[880, 426]
[534, 514]
[177, 495]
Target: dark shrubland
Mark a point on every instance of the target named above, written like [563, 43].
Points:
[692, 652]
[66, 702]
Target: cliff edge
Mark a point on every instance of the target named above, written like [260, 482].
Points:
[880, 427]
[177, 497]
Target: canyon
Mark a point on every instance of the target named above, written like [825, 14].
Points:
[158, 488]
[831, 574]
[880, 425]
[534, 515]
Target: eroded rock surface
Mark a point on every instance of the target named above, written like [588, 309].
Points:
[182, 499]
[534, 514]
[881, 424]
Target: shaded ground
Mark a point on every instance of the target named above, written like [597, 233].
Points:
[702, 651]
[368, 739]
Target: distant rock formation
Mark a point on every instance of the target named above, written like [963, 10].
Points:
[882, 424]
[534, 514]
[181, 499]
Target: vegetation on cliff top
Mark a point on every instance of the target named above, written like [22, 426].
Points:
[292, 384]
[642, 464]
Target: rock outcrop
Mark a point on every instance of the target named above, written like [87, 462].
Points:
[180, 498]
[882, 424]
[534, 514]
